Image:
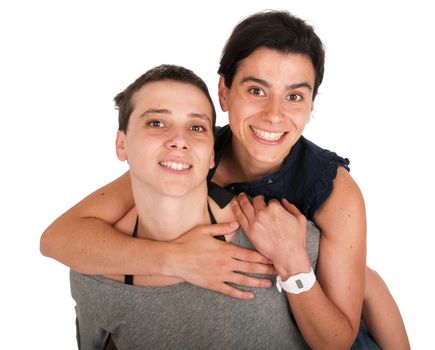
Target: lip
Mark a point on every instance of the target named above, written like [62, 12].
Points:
[267, 137]
[175, 165]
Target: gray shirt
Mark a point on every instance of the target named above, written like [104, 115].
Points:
[184, 316]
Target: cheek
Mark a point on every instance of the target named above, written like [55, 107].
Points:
[303, 120]
[206, 155]
[300, 116]
[140, 151]
[237, 116]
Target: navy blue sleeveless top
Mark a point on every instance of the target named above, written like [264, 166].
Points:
[305, 179]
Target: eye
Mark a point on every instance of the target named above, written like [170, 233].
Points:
[295, 97]
[256, 91]
[198, 128]
[155, 123]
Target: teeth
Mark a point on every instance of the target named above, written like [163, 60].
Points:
[174, 165]
[266, 135]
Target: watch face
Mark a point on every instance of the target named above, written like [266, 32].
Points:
[299, 284]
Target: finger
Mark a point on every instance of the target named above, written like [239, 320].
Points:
[248, 255]
[248, 281]
[233, 292]
[259, 203]
[249, 267]
[246, 206]
[239, 214]
[291, 208]
[218, 229]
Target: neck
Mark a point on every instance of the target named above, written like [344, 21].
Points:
[238, 166]
[165, 218]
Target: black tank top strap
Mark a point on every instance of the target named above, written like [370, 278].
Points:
[219, 194]
[222, 197]
[213, 221]
[129, 279]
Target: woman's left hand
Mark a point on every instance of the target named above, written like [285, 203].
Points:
[277, 230]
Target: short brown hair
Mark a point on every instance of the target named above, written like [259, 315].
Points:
[163, 72]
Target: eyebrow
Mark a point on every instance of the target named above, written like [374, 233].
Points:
[266, 84]
[167, 111]
[155, 111]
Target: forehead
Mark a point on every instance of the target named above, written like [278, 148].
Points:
[175, 96]
[275, 66]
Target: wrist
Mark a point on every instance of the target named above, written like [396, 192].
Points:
[167, 255]
[292, 266]
[297, 284]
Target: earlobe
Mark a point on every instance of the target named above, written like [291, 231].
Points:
[120, 146]
[222, 92]
[212, 163]
[312, 111]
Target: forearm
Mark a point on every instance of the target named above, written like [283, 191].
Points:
[89, 245]
[83, 237]
[329, 314]
[322, 324]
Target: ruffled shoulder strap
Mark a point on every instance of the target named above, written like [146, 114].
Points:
[322, 165]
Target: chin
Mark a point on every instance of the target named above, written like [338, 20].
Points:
[178, 188]
[265, 157]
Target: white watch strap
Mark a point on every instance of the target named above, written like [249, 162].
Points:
[298, 283]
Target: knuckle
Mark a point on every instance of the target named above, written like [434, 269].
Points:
[302, 219]
[274, 203]
[244, 200]
[258, 199]
[262, 215]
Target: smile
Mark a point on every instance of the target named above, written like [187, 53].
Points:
[267, 135]
[175, 165]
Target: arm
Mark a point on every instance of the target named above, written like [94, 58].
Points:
[83, 239]
[328, 314]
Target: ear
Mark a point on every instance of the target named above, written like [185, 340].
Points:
[212, 163]
[121, 149]
[223, 92]
[313, 108]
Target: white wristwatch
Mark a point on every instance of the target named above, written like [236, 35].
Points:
[298, 283]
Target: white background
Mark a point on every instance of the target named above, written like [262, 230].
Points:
[61, 64]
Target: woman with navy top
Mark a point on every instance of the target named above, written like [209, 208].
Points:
[270, 72]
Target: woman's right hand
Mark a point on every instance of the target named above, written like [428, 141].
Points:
[204, 261]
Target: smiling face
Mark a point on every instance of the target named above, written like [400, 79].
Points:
[169, 139]
[269, 103]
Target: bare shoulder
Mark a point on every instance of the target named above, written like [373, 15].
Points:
[345, 206]
[109, 203]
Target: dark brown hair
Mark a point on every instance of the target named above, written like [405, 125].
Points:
[277, 30]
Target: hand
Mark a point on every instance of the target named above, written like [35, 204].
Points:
[207, 262]
[278, 231]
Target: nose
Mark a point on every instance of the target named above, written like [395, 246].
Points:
[274, 111]
[177, 140]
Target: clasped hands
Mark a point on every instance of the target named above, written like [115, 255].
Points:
[277, 230]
